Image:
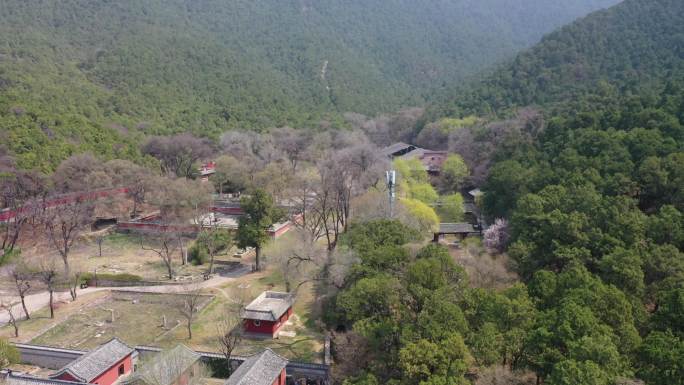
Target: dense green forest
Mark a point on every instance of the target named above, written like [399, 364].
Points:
[593, 193]
[631, 47]
[96, 75]
[599, 197]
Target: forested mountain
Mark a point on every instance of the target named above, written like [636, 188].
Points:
[594, 194]
[81, 75]
[631, 47]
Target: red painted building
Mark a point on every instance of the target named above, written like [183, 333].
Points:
[102, 366]
[268, 313]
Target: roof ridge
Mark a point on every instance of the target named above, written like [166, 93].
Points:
[68, 368]
[32, 377]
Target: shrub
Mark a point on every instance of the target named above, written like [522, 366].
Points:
[122, 277]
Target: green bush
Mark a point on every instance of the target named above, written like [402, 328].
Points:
[9, 256]
[198, 255]
[123, 277]
[8, 354]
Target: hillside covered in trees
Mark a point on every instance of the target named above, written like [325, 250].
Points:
[629, 48]
[585, 181]
[94, 76]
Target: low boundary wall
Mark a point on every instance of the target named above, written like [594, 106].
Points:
[56, 358]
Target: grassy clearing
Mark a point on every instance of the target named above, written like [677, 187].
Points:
[40, 320]
[84, 324]
[307, 345]
[137, 321]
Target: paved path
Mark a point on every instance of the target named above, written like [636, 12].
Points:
[37, 301]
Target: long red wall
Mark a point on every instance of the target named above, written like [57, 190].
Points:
[7, 214]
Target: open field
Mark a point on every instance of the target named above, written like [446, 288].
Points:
[306, 345]
[85, 323]
[40, 320]
[121, 253]
[137, 321]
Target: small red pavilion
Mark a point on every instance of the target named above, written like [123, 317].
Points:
[101, 366]
[268, 313]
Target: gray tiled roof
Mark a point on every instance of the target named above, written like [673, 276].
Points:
[90, 365]
[24, 379]
[268, 306]
[260, 369]
[165, 367]
[456, 228]
[394, 148]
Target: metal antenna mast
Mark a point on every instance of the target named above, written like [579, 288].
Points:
[391, 183]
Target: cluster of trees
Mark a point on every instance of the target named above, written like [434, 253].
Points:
[53, 212]
[585, 196]
[592, 195]
[598, 197]
[477, 140]
[413, 318]
[316, 176]
[423, 201]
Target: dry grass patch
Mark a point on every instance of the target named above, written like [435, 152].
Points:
[138, 320]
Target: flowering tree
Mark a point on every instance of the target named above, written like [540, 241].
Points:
[496, 236]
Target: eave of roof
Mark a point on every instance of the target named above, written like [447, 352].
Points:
[95, 362]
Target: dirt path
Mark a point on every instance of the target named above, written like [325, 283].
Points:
[37, 301]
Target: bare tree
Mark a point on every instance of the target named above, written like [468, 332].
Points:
[386, 129]
[275, 179]
[238, 144]
[22, 193]
[344, 175]
[433, 136]
[172, 366]
[9, 308]
[136, 179]
[301, 260]
[64, 223]
[74, 174]
[232, 174]
[22, 278]
[181, 202]
[292, 143]
[179, 154]
[478, 144]
[74, 280]
[303, 193]
[165, 245]
[188, 305]
[48, 275]
[351, 352]
[501, 375]
[213, 240]
[229, 336]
